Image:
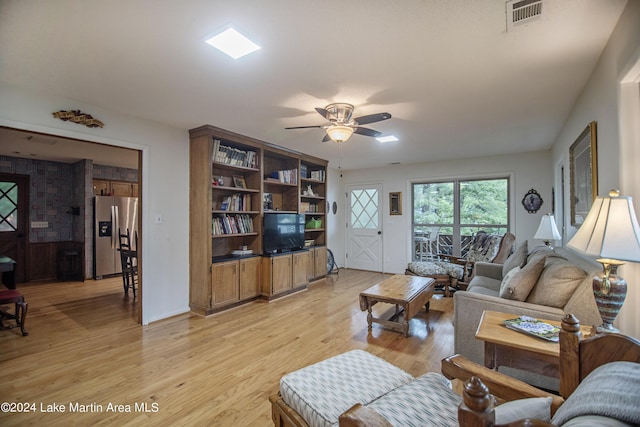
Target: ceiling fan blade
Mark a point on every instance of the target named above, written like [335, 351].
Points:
[325, 113]
[304, 127]
[367, 132]
[372, 118]
[326, 138]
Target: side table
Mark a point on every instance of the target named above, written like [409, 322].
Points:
[506, 347]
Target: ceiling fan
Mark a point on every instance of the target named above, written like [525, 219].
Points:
[342, 124]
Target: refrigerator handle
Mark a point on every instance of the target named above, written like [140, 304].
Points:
[114, 225]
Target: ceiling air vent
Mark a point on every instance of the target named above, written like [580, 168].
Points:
[522, 12]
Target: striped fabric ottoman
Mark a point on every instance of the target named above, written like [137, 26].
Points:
[321, 392]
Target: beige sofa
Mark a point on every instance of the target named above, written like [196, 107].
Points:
[544, 284]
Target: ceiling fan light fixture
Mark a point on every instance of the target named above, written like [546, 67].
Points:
[339, 133]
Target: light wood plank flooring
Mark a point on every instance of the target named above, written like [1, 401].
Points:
[85, 348]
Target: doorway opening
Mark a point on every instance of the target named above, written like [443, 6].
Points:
[57, 228]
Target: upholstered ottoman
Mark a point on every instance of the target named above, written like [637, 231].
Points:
[319, 393]
[323, 391]
[445, 274]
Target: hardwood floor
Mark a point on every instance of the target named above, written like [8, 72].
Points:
[85, 348]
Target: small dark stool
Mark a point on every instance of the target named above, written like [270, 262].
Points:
[13, 296]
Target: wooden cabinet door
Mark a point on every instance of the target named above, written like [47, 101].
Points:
[281, 274]
[121, 189]
[249, 277]
[101, 187]
[300, 268]
[224, 283]
[320, 262]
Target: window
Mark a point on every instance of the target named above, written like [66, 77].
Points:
[459, 209]
[8, 206]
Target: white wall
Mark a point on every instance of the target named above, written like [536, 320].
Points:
[526, 171]
[618, 159]
[165, 186]
[336, 222]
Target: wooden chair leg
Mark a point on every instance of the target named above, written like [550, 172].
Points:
[21, 314]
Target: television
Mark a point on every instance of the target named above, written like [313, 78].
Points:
[282, 232]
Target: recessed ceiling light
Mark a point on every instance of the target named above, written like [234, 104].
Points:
[233, 43]
[388, 138]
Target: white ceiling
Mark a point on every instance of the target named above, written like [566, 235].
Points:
[456, 82]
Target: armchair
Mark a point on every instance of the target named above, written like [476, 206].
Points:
[455, 271]
[585, 369]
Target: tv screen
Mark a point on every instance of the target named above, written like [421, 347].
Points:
[282, 232]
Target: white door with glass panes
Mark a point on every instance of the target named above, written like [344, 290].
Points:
[364, 229]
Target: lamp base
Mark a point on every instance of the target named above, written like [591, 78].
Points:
[609, 291]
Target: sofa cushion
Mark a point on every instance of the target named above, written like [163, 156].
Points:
[452, 269]
[519, 287]
[322, 391]
[516, 259]
[535, 407]
[557, 283]
[426, 401]
[506, 281]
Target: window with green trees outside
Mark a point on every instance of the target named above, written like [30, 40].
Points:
[458, 209]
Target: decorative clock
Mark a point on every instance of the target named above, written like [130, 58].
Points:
[532, 201]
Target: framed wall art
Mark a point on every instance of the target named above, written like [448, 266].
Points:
[395, 203]
[583, 170]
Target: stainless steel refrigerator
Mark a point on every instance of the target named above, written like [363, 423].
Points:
[110, 214]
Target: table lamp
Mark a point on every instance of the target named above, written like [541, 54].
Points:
[547, 230]
[610, 231]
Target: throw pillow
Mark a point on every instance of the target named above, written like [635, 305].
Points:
[516, 259]
[535, 407]
[520, 286]
[506, 281]
[556, 284]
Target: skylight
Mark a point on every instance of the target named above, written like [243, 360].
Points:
[387, 138]
[233, 43]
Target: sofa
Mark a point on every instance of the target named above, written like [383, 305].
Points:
[543, 283]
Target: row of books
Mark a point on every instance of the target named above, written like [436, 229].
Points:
[231, 224]
[234, 156]
[307, 207]
[236, 202]
[289, 176]
[318, 175]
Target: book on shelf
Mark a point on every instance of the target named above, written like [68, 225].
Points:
[234, 156]
[534, 327]
[303, 171]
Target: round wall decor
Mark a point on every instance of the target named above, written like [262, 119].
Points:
[532, 201]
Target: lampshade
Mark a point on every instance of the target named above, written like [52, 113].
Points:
[547, 229]
[339, 133]
[610, 230]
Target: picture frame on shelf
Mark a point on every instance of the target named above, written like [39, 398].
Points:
[238, 181]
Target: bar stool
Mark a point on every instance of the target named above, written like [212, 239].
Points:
[13, 296]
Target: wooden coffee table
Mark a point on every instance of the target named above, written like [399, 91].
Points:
[506, 347]
[407, 293]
